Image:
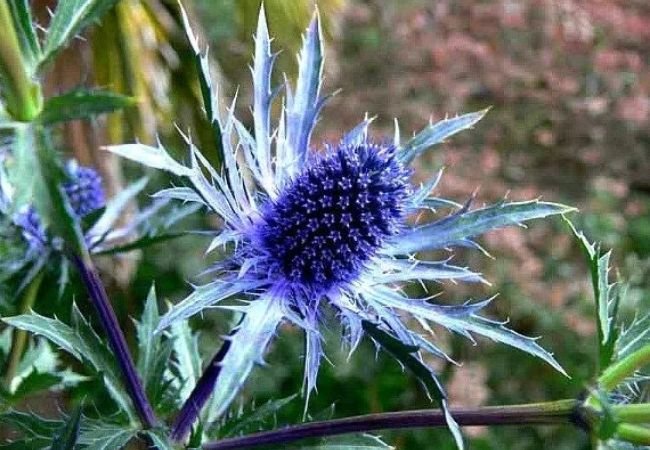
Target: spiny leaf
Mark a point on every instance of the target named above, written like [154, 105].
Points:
[26, 31]
[460, 227]
[82, 104]
[252, 420]
[303, 107]
[66, 438]
[248, 345]
[154, 157]
[606, 297]
[409, 357]
[31, 425]
[437, 133]
[70, 18]
[82, 343]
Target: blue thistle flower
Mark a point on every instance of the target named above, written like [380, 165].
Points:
[317, 231]
[85, 194]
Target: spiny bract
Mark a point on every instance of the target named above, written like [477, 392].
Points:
[326, 231]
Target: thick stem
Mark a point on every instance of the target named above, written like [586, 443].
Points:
[634, 434]
[192, 407]
[563, 411]
[19, 339]
[22, 95]
[633, 413]
[116, 340]
[616, 373]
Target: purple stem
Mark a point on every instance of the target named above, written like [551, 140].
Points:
[192, 407]
[564, 411]
[116, 340]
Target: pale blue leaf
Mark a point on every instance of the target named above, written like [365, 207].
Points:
[357, 135]
[262, 96]
[115, 207]
[463, 319]
[188, 359]
[398, 270]
[458, 228]
[303, 107]
[204, 297]
[248, 345]
[437, 133]
[155, 157]
[184, 194]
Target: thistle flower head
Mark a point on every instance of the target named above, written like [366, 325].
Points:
[335, 229]
[327, 223]
[85, 194]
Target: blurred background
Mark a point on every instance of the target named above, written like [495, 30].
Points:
[569, 83]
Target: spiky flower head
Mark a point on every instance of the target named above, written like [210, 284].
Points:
[325, 230]
[84, 192]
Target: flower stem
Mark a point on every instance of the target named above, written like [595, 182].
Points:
[22, 94]
[192, 407]
[633, 413]
[116, 339]
[633, 434]
[559, 412]
[624, 368]
[19, 339]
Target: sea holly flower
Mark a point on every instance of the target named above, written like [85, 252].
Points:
[323, 232]
[85, 193]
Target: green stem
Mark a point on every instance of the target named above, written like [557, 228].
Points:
[636, 413]
[616, 373]
[19, 340]
[22, 94]
[633, 434]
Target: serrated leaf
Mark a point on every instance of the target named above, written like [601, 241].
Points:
[209, 91]
[409, 357]
[81, 342]
[29, 44]
[66, 438]
[115, 207]
[30, 425]
[459, 228]
[49, 196]
[106, 436]
[247, 348]
[82, 104]
[70, 18]
[464, 320]
[606, 297]
[437, 133]
[188, 359]
[251, 421]
[159, 439]
[303, 107]
[148, 342]
[154, 157]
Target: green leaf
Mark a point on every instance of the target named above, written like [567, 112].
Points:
[31, 425]
[188, 359]
[409, 357]
[27, 36]
[70, 18]
[606, 297]
[142, 242]
[159, 439]
[82, 342]
[82, 104]
[347, 442]
[98, 435]
[253, 420]
[436, 133]
[148, 342]
[67, 437]
[49, 197]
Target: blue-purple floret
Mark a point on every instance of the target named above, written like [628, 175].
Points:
[331, 219]
[85, 194]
